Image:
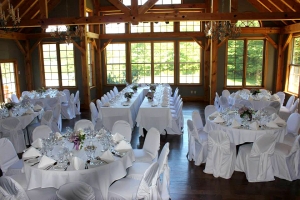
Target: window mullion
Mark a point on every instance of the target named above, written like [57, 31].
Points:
[245, 62]
[152, 62]
[59, 65]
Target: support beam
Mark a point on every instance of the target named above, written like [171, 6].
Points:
[223, 41]
[20, 47]
[279, 71]
[92, 35]
[34, 46]
[288, 40]
[43, 9]
[105, 45]
[198, 42]
[78, 46]
[144, 8]
[269, 39]
[294, 28]
[28, 67]
[12, 35]
[118, 4]
[134, 11]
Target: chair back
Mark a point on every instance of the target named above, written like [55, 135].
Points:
[115, 89]
[223, 101]
[112, 94]
[99, 104]
[75, 190]
[193, 134]
[47, 118]
[67, 93]
[122, 127]
[82, 124]
[56, 121]
[294, 106]
[276, 105]
[14, 98]
[281, 96]
[42, 131]
[246, 91]
[225, 93]
[9, 157]
[11, 189]
[51, 103]
[76, 97]
[197, 120]
[217, 101]
[108, 96]
[163, 158]
[218, 140]
[25, 93]
[293, 123]
[103, 100]
[209, 110]
[290, 102]
[270, 110]
[40, 103]
[246, 103]
[152, 142]
[94, 112]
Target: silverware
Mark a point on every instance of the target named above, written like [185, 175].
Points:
[49, 167]
[66, 167]
[35, 163]
[31, 158]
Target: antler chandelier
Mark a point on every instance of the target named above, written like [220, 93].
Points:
[11, 15]
[68, 32]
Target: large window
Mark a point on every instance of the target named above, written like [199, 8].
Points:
[163, 27]
[190, 26]
[59, 66]
[163, 62]
[116, 63]
[189, 62]
[294, 72]
[115, 28]
[142, 27]
[141, 62]
[9, 80]
[245, 62]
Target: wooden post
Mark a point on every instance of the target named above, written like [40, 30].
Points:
[279, 71]
[28, 67]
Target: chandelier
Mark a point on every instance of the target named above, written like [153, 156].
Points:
[66, 33]
[11, 15]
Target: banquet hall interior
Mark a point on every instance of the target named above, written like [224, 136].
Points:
[214, 84]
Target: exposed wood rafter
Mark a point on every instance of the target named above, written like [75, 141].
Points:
[198, 42]
[43, 9]
[105, 45]
[269, 39]
[20, 47]
[288, 40]
[144, 8]
[118, 4]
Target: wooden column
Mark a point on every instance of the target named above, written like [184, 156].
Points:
[207, 62]
[28, 67]
[280, 59]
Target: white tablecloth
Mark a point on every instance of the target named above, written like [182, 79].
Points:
[257, 104]
[240, 135]
[100, 177]
[44, 100]
[120, 112]
[24, 119]
[158, 117]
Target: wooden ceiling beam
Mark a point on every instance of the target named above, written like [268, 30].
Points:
[144, 8]
[288, 40]
[160, 17]
[118, 4]
[105, 44]
[270, 7]
[12, 35]
[23, 13]
[292, 4]
[294, 28]
[269, 39]
[43, 9]
[198, 42]
[280, 6]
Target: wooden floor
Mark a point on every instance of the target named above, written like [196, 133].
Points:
[188, 181]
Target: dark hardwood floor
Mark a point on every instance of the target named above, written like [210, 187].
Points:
[188, 181]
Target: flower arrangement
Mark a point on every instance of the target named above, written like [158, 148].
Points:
[244, 111]
[152, 87]
[77, 138]
[128, 95]
[134, 87]
[9, 105]
[150, 96]
[41, 90]
[254, 92]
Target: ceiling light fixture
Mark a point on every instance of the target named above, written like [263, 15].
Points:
[11, 15]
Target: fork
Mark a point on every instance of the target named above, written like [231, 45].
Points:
[49, 167]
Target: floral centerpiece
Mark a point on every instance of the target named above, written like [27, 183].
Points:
[9, 105]
[77, 138]
[150, 96]
[134, 87]
[255, 91]
[128, 95]
[153, 87]
[41, 90]
[245, 112]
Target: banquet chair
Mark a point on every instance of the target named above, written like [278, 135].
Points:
[246, 103]
[67, 93]
[96, 120]
[269, 110]
[223, 101]
[263, 91]
[276, 105]
[174, 98]
[285, 160]
[10, 189]
[197, 120]
[137, 170]
[83, 124]
[197, 149]
[177, 121]
[246, 91]
[47, 118]
[115, 89]
[255, 159]
[9, 160]
[208, 110]
[217, 102]
[77, 103]
[284, 113]
[103, 100]
[14, 98]
[42, 131]
[112, 94]
[40, 103]
[99, 104]
[292, 127]
[51, 103]
[175, 103]
[123, 128]
[221, 155]
[150, 148]
[56, 125]
[77, 190]
[106, 98]
[25, 93]
[68, 109]
[281, 96]
[12, 129]
[128, 188]
[225, 93]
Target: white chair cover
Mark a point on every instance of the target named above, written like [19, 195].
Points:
[217, 102]
[223, 101]
[177, 121]
[115, 90]
[112, 94]
[197, 120]
[276, 105]
[11, 190]
[56, 121]
[103, 100]
[14, 98]
[209, 110]
[150, 148]
[40, 103]
[290, 102]
[84, 123]
[10, 156]
[51, 103]
[246, 103]
[225, 93]
[24, 93]
[221, 155]
[99, 104]
[11, 129]
[67, 93]
[77, 103]
[270, 110]
[255, 160]
[75, 190]
[108, 96]
[197, 150]
[94, 113]
[292, 126]
[246, 91]
[42, 131]
[47, 118]
[285, 160]
[281, 96]
[123, 128]
[68, 109]
[294, 106]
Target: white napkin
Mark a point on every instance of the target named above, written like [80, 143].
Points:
[235, 124]
[123, 146]
[77, 163]
[254, 125]
[31, 153]
[37, 107]
[58, 135]
[274, 116]
[45, 162]
[107, 156]
[237, 96]
[264, 99]
[164, 104]
[214, 114]
[271, 124]
[279, 121]
[274, 97]
[218, 119]
[117, 137]
[107, 104]
[38, 143]
[29, 111]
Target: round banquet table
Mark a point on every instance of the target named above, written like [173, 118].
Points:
[241, 135]
[257, 104]
[100, 177]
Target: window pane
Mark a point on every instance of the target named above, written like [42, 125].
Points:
[254, 67]
[115, 28]
[293, 84]
[8, 79]
[235, 62]
[296, 51]
[50, 64]
[116, 63]
[141, 62]
[164, 62]
[189, 26]
[163, 27]
[67, 64]
[189, 62]
[142, 27]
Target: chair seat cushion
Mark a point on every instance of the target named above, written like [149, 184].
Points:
[137, 170]
[21, 179]
[125, 188]
[15, 168]
[282, 149]
[142, 156]
[289, 139]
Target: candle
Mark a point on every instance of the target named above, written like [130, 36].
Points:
[18, 13]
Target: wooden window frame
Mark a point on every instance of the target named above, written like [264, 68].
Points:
[92, 64]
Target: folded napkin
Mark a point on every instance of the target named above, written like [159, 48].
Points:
[38, 143]
[107, 156]
[237, 96]
[254, 125]
[164, 104]
[117, 137]
[271, 124]
[37, 107]
[58, 135]
[279, 121]
[274, 116]
[264, 99]
[77, 163]
[107, 104]
[214, 114]
[45, 162]
[31, 153]
[123, 146]
[235, 124]
[29, 111]
[218, 119]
